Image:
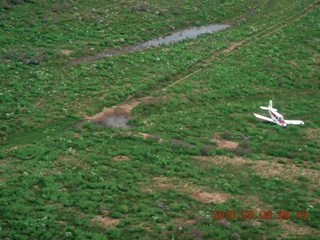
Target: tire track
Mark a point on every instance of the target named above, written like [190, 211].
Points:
[246, 42]
[132, 101]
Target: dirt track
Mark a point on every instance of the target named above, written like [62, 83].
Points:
[124, 108]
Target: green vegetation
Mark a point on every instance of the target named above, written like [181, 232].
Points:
[193, 146]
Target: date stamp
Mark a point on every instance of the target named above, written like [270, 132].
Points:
[263, 214]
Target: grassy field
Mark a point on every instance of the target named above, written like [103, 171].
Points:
[194, 163]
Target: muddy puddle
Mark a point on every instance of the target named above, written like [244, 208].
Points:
[116, 116]
[117, 121]
[120, 121]
[174, 37]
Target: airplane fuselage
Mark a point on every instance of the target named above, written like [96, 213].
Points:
[277, 118]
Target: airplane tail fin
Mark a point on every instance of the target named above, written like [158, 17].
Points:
[269, 107]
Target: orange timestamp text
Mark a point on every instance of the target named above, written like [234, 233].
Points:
[263, 214]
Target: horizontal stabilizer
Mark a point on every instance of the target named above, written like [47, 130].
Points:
[263, 117]
[269, 109]
[294, 122]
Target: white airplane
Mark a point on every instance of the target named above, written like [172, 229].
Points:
[276, 117]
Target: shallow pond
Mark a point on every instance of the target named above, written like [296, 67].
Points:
[117, 121]
[186, 33]
[174, 37]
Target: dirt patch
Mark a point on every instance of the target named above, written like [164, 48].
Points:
[153, 100]
[143, 135]
[267, 169]
[210, 197]
[293, 230]
[35, 187]
[223, 160]
[222, 143]
[147, 135]
[116, 116]
[294, 63]
[190, 222]
[66, 51]
[61, 222]
[70, 161]
[40, 100]
[16, 147]
[76, 135]
[232, 47]
[163, 183]
[252, 202]
[120, 158]
[181, 79]
[226, 144]
[313, 133]
[289, 172]
[104, 221]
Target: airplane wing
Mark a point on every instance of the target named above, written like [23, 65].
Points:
[294, 122]
[263, 118]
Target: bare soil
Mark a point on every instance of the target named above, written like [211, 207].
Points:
[104, 221]
[314, 133]
[271, 168]
[121, 158]
[66, 51]
[222, 143]
[210, 197]
[162, 183]
[226, 144]
[292, 230]
[115, 115]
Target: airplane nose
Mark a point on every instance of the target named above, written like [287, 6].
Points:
[284, 125]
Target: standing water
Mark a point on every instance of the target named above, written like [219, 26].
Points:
[186, 33]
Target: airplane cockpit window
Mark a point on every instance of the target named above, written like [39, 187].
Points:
[280, 118]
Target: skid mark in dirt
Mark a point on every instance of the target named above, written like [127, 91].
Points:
[250, 40]
[232, 47]
[227, 50]
[118, 114]
[283, 23]
[181, 79]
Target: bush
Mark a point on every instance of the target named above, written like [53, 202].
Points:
[178, 207]
[114, 233]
